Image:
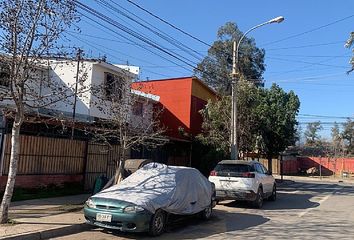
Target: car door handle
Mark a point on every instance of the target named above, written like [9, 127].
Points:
[193, 202]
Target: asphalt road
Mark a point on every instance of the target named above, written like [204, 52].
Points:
[303, 210]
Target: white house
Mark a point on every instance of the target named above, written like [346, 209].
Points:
[85, 91]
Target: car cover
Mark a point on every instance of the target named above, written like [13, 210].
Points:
[178, 190]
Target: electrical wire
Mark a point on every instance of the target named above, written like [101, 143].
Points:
[129, 31]
[309, 31]
[169, 24]
[136, 44]
[152, 29]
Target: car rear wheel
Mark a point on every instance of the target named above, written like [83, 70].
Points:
[258, 202]
[206, 213]
[157, 223]
[273, 197]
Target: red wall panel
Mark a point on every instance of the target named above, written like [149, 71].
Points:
[175, 97]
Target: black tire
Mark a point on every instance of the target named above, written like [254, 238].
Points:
[157, 223]
[206, 213]
[273, 197]
[258, 202]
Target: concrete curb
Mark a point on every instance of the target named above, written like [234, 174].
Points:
[50, 233]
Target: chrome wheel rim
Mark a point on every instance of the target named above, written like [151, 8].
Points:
[158, 223]
[207, 212]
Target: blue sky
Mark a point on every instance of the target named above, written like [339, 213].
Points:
[313, 64]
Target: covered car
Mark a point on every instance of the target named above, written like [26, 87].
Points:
[142, 201]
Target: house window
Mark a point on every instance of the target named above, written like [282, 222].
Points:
[114, 86]
[4, 75]
[138, 109]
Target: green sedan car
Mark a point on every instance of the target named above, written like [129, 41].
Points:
[143, 201]
[116, 214]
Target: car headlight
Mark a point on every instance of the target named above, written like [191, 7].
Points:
[90, 203]
[133, 209]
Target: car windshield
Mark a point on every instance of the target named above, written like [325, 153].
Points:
[232, 169]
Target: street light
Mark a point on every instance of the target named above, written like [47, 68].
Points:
[234, 74]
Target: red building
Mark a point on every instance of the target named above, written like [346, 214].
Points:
[181, 98]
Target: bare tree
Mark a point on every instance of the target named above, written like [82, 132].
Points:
[30, 31]
[133, 122]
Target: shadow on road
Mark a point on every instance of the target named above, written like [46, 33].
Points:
[284, 201]
[192, 227]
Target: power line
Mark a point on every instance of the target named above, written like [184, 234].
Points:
[306, 46]
[305, 62]
[152, 29]
[136, 44]
[170, 24]
[94, 45]
[310, 56]
[324, 116]
[132, 33]
[309, 31]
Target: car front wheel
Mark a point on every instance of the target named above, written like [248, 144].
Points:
[157, 223]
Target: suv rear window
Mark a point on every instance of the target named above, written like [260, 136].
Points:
[233, 170]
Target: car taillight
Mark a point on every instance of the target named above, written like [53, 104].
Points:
[248, 175]
[213, 173]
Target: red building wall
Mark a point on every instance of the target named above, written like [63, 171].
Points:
[329, 165]
[182, 98]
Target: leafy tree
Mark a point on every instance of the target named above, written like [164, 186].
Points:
[217, 120]
[216, 124]
[277, 123]
[312, 136]
[349, 44]
[30, 31]
[248, 97]
[216, 68]
[348, 135]
[267, 120]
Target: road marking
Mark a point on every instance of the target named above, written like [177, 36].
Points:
[303, 213]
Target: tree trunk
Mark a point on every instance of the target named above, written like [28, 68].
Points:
[15, 147]
[118, 177]
[270, 163]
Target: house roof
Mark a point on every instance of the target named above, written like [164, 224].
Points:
[183, 78]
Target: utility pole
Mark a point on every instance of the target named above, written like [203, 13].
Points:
[79, 52]
[235, 76]
[234, 150]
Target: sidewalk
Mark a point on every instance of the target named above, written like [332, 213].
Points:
[316, 179]
[45, 218]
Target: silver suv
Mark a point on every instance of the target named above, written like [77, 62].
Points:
[243, 180]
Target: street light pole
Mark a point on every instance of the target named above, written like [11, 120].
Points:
[235, 76]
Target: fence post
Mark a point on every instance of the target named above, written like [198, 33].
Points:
[281, 168]
[84, 168]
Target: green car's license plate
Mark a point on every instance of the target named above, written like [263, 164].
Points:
[101, 217]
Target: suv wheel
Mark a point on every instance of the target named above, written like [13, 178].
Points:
[157, 223]
[258, 202]
[206, 213]
[273, 197]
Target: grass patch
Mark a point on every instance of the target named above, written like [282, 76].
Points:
[46, 192]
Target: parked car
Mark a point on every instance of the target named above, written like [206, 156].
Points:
[243, 180]
[143, 201]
